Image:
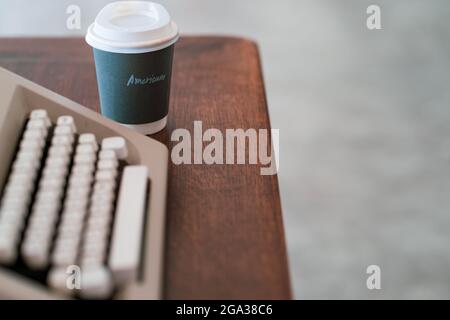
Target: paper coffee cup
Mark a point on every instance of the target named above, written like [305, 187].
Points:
[133, 44]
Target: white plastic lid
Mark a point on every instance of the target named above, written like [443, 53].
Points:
[132, 27]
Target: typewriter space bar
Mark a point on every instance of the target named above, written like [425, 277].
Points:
[126, 244]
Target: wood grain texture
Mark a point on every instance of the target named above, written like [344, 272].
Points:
[225, 237]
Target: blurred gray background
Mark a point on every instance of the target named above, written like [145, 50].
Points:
[364, 119]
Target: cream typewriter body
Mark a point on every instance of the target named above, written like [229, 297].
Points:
[82, 200]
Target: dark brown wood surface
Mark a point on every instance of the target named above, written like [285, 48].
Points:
[225, 237]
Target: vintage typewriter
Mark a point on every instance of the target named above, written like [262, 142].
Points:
[82, 200]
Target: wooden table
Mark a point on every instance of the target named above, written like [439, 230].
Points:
[225, 237]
